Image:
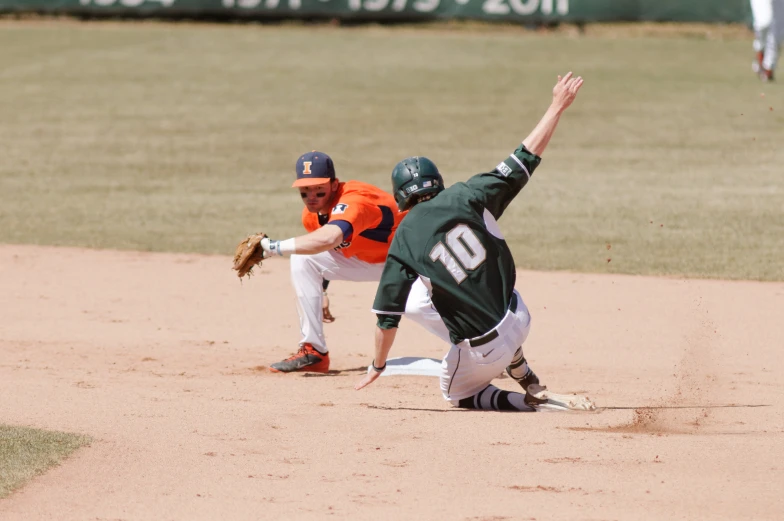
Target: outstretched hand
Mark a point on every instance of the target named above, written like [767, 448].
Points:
[565, 90]
[368, 379]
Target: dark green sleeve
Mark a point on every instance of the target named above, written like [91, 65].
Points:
[495, 190]
[388, 321]
[394, 287]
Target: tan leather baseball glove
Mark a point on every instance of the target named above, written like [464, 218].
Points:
[248, 254]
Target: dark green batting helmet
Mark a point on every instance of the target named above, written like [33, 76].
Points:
[414, 177]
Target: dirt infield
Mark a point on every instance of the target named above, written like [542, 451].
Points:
[161, 359]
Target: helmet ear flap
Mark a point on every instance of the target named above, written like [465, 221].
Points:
[400, 199]
[401, 177]
[403, 199]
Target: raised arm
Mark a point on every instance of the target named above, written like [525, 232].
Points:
[564, 93]
[495, 190]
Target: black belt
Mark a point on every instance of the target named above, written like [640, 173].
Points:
[482, 340]
[492, 335]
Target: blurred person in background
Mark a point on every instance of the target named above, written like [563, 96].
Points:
[768, 20]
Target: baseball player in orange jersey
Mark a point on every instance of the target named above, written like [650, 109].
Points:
[350, 226]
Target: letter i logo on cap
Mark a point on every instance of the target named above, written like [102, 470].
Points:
[306, 167]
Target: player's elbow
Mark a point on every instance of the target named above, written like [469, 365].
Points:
[333, 236]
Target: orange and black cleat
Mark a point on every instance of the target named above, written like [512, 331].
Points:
[305, 359]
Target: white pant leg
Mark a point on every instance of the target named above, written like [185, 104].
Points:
[762, 14]
[771, 53]
[420, 309]
[307, 273]
[760, 38]
[467, 370]
[773, 36]
[768, 19]
[762, 17]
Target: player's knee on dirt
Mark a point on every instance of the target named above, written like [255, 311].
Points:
[491, 398]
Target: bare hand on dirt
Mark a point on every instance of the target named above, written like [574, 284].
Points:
[368, 379]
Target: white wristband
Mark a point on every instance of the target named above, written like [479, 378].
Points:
[282, 248]
[286, 248]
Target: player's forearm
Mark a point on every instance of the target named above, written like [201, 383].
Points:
[564, 93]
[540, 136]
[325, 238]
[384, 340]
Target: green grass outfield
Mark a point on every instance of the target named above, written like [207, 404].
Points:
[183, 137]
[26, 453]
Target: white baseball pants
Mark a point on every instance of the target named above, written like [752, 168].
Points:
[467, 370]
[768, 18]
[307, 273]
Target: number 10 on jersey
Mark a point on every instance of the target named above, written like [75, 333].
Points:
[464, 252]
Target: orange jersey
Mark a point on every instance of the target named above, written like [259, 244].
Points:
[368, 217]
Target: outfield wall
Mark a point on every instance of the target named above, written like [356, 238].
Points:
[523, 11]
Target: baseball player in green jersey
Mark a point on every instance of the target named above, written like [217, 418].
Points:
[451, 241]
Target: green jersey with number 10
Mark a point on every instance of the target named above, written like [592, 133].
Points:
[454, 244]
